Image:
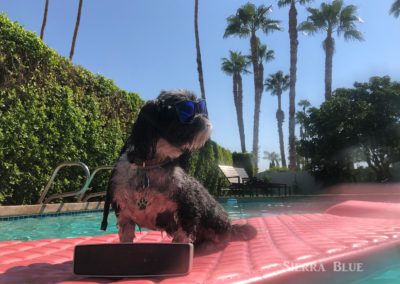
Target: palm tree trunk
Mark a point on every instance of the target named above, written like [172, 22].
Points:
[235, 99]
[240, 113]
[198, 57]
[258, 92]
[46, 8]
[328, 65]
[279, 113]
[293, 77]
[78, 20]
[257, 97]
[257, 103]
[280, 118]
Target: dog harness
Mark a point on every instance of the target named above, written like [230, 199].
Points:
[142, 204]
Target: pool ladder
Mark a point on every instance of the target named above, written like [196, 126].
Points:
[80, 193]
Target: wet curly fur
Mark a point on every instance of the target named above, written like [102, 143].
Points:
[149, 186]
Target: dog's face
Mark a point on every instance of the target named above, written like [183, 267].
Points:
[174, 123]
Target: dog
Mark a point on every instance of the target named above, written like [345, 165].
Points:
[149, 186]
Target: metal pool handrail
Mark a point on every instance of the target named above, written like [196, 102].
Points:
[60, 195]
[86, 186]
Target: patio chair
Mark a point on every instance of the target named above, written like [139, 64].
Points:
[238, 180]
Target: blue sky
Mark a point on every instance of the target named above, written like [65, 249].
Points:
[148, 46]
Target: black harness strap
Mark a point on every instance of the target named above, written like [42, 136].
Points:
[106, 209]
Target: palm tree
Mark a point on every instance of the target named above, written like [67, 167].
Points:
[273, 157]
[245, 23]
[78, 19]
[277, 83]
[198, 57]
[332, 18]
[236, 65]
[46, 8]
[293, 75]
[395, 9]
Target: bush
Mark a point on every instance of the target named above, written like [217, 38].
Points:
[204, 165]
[52, 111]
[367, 131]
[244, 160]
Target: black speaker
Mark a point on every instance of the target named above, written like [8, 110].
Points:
[133, 259]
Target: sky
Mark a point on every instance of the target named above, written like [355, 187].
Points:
[149, 46]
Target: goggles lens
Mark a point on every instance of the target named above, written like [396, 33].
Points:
[188, 109]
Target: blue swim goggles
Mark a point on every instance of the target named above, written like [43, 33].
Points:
[187, 110]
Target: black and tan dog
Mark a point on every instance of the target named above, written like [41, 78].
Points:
[149, 186]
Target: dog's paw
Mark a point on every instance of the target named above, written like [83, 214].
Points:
[142, 203]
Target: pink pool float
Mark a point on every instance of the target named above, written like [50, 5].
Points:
[346, 242]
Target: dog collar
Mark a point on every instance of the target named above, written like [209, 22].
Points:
[157, 166]
[144, 169]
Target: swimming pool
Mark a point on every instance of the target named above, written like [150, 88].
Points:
[88, 224]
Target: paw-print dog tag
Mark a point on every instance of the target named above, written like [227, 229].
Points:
[142, 203]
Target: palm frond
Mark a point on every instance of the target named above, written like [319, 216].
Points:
[283, 3]
[235, 64]
[336, 7]
[265, 54]
[236, 27]
[395, 9]
[347, 24]
[227, 66]
[304, 103]
[248, 19]
[319, 17]
[348, 12]
[308, 27]
[353, 35]
[271, 25]
[277, 82]
[262, 11]
[303, 2]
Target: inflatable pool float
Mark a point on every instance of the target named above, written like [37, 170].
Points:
[352, 238]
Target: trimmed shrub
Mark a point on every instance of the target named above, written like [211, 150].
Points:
[53, 111]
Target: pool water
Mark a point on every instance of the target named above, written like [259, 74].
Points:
[390, 275]
[63, 226]
[88, 224]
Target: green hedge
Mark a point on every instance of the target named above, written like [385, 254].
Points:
[53, 111]
[244, 160]
[204, 165]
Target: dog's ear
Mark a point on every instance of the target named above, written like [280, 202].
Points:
[143, 140]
